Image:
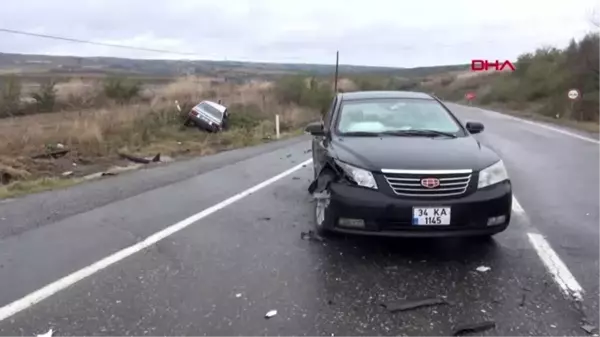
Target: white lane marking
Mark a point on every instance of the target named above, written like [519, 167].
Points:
[561, 274]
[52, 288]
[555, 266]
[547, 127]
[516, 206]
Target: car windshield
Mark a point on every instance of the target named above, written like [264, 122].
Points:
[209, 109]
[387, 115]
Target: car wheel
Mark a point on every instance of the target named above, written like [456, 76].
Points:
[324, 215]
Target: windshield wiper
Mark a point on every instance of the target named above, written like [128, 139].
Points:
[361, 134]
[417, 132]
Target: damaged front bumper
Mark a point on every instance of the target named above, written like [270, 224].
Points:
[365, 211]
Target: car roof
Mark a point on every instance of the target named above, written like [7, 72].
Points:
[360, 95]
[215, 105]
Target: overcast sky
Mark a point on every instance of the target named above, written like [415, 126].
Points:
[397, 33]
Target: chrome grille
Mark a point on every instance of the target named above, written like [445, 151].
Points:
[408, 182]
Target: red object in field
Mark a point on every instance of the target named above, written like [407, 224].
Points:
[470, 96]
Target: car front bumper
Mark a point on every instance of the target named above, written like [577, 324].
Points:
[384, 215]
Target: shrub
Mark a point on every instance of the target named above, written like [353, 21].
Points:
[121, 90]
[311, 93]
[45, 98]
[447, 80]
[10, 96]
[244, 115]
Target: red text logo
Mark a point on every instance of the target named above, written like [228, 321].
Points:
[485, 65]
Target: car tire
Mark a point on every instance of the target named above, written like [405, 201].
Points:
[324, 215]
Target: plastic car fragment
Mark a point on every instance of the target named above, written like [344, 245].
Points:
[413, 304]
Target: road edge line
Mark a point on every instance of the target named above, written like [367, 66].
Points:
[67, 281]
[557, 268]
[547, 127]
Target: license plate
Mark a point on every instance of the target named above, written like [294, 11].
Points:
[431, 216]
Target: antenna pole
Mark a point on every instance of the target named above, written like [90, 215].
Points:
[337, 63]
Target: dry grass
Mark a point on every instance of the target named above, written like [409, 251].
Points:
[34, 186]
[96, 135]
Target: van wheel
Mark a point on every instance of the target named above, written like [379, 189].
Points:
[324, 216]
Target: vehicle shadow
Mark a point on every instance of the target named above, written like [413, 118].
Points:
[438, 249]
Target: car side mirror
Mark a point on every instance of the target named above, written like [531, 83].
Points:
[315, 129]
[474, 127]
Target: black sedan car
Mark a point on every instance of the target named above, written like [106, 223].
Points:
[396, 163]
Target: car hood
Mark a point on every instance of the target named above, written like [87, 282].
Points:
[413, 153]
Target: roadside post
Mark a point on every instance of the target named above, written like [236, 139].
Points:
[573, 95]
[277, 126]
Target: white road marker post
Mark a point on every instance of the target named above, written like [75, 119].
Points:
[277, 126]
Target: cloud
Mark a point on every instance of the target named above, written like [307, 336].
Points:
[373, 32]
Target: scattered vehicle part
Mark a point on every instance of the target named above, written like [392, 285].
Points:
[140, 160]
[208, 116]
[413, 304]
[52, 154]
[311, 236]
[379, 157]
[271, 314]
[473, 327]
[523, 298]
[47, 334]
[483, 269]
[589, 328]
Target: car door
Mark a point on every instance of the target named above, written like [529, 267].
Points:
[320, 143]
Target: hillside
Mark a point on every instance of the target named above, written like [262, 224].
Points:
[36, 65]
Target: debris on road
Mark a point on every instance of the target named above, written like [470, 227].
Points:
[270, 314]
[296, 178]
[266, 218]
[522, 303]
[483, 269]
[67, 173]
[308, 151]
[474, 327]
[238, 295]
[104, 174]
[289, 155]
[52, 154]
[47, 334]
[311, 236]
[589, 329]
[413, 304]
[140, 160]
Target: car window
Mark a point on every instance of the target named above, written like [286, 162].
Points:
[379, 115]
[209, 109]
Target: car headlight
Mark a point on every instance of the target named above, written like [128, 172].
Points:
[492, 175]
[361, 177]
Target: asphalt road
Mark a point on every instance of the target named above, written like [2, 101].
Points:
[199, 262]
